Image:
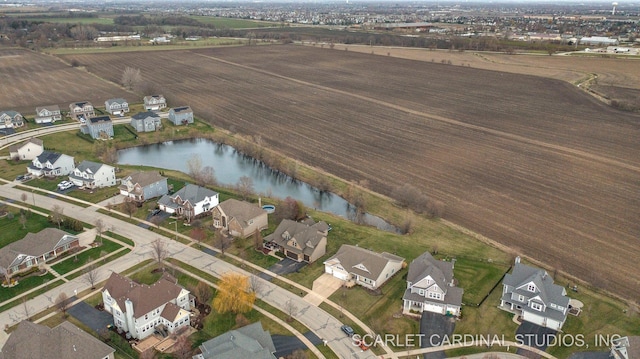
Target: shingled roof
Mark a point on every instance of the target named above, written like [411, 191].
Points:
[33, 244]
[250, 341]
[350, 257]
[425, 265]
[240, 210]
[306, 236]
[144, 178]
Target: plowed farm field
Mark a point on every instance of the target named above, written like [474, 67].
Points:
[527, 161]
[30, 79]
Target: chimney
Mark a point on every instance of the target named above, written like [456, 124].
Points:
[517, 259]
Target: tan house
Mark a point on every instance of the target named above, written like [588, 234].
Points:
[27, 150]
[48, 114]
[31, 340]
[81, 111]
[299, 241]
[239, 218]
[362, 266]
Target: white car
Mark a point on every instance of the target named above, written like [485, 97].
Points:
[64, 185]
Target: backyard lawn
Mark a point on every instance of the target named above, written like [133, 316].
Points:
[77, 260]
[477, 278]
[24, 285]
[12, 230]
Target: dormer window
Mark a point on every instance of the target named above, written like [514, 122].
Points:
[531, 288]
[536, 306]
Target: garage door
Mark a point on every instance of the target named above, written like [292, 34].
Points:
[436, 308]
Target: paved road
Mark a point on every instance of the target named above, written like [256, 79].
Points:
[320, 322]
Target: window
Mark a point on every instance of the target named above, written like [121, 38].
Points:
[521, 298]
[536, 306]
[531, 288]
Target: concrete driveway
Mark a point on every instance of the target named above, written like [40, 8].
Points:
[323, 287]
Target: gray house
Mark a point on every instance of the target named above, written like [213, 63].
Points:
[250, 341]
[10, 119]
[146, 121]
[98, 127]
[48, 114]
[141, 186]
[117, 106]
[154, 102]
[181, 115]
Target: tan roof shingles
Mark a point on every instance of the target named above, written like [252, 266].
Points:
[36, 141]
[307, 237]
[33, 244]
[241, 210]
[349, 256]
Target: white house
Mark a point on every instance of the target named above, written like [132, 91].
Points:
[154, 102]
[140, 309]
[530, 293]
[625, 348]
[11, 119]
[27, 150]
[48, 114]
[190, 201]
[51, 164]
[93, 175]
[116, 106]
[431, 287]
[362, 266]
[81, 111]
[181, 115]
[141, 186]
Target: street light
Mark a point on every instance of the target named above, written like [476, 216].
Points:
[176, 223]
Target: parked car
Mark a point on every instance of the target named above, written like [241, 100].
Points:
[348, 330]
[64, 185]
[20, 178]
[155, 212]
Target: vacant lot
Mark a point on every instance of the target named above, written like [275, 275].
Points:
[531, 162]
[31, 79]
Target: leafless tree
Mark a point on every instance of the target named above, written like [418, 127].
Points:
[91, 276]
[291, 309]
[62, 304]
[245, 187]
[194, 166]
[56, 215]
[220, 241]
[6, 275]
[83, 32]
[182, 348]
[257, 240]
[129, 207]
[23, 197]
[203, 292]
[26, 309]
[208, 176]
[131, 78]
[255, 285]
[159, 251]
[149, 354]
[100, 228]
[23, 220]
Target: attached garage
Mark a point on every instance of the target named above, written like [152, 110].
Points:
[338, 273]
[435, 308]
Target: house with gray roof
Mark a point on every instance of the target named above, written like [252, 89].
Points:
[48, 114]
[140, 309]
[154, 102]
[31, 340]
[299, 241]
[625, 348]
[189, 202]
[143, 185]
[81, 111]
[98, 127]
[362, 266]
[92, 175]
[51, 164]
[250, 341]
[531, 293]
[146, 121]
[117, 106]
[35, 248]
[11, 119]
[239, 218]
[27, 150]
[181, 115]
[431, 287]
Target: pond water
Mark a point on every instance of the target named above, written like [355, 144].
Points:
[229, 165]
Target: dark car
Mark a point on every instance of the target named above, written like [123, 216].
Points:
[155, 212]
[20, 178]
[348, 330]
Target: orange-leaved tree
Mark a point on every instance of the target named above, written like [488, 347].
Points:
[234, 294]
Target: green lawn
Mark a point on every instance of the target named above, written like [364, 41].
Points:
[86, 256]
[120, 238]
[24, 285]
[477, 278]
[105, 260]
[12, 230]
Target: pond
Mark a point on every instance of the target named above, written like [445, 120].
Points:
[229, 166]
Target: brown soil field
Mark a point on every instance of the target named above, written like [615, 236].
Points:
[31, 79]
[531, 162]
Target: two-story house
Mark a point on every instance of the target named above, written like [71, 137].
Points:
[99, 127]
[531, 293]
[27, 150]
[181, 115]
[35, 248]
[154, 102]
[48, 114]
[431, 287]
[190, 201]
[93, 175]
[51, 164]
[81, 111]
[146, 121]
[362, 266]
[11, 119]
[117, 106]
[144, 185]
[239, 218]
[299, 241]
[625, 348]
[140, 309]
[250, 341]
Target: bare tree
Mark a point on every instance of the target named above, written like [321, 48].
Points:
[291, 309]
[56, 215]
[26, 309]
[159, 252]
[208, 176]
[220, 241]
[62, 304]
[23, 220]
[257, 240]
[245, 187]
[182, 348]
[149, 354]
[255, 285]
[194, 166]
[91, 276]
[82, 32]
[131, 78]
[129, 207]
[203, 292]
[100, 228]
[23, 197]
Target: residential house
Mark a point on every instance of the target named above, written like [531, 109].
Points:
[181, 115]
[35, 248]
[250, 341]
[11, 119]
[362, 266]
[27, 150]
[51, 164]
[300, 241]
[239, 218]
[146, 121]
[144, 185]
[190, 201]
[99, 127]
[625, 348]
[116, 106]
[140, 309]
[48, 114]
[93, 175]
[154, 102]
[81, 111]
[65, 340]
[431, 287]
[530, 293]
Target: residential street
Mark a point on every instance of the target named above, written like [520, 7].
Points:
[324, 325]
